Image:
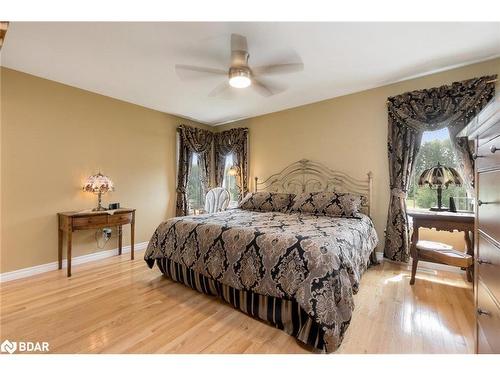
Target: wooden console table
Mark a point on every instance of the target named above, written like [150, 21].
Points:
[74, 220]
[445, 221]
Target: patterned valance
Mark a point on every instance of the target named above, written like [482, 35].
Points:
[231, 140]
[198, 140]
[451, 106]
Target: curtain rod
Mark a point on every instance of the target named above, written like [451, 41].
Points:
[490, 81]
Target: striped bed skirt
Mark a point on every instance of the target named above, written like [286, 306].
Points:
[281, 313]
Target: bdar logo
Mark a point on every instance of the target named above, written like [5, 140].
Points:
[8, 346]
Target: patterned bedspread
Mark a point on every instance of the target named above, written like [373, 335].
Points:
[315, 260]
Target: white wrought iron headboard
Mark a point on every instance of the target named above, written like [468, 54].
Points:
[309, 176]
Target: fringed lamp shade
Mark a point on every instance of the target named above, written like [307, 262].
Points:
[437, 177]
[98, 184]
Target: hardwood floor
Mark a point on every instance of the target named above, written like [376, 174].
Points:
[121, 306]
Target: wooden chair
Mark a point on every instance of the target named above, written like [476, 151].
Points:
[437, 252]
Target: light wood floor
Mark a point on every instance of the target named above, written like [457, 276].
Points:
[119, 306]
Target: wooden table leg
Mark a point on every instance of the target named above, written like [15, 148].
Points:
[132, 235]
[68, 257]
[60, 247]
[468, 242]
[470, 251]
[414, 252]
[120, 233]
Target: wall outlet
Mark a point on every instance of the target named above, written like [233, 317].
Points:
[106, 233]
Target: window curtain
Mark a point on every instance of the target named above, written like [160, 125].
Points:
[192, 140]
[409, 115]
[233, 141]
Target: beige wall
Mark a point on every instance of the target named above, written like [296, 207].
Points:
[347, 133]
[52, 137]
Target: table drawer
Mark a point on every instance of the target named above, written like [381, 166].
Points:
[488, 265]
[489, 154]
[120, 219]
[489, 210]
[488, 319]
[88, 222]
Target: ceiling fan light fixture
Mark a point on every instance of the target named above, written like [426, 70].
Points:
[239, 78]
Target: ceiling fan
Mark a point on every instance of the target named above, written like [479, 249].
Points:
[240, 75]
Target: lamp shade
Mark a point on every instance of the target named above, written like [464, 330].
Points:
[439, 176]
[98, 183]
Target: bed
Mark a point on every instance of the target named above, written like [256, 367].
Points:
[295, 271]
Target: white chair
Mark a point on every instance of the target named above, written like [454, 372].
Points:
[216, 200]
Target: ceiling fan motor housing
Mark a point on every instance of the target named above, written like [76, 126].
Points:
[239, 58]
[239, 72]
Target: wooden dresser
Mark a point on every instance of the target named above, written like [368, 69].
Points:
[484, 129]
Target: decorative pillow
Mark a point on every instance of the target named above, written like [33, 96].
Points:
[328, 204]
[266, 201]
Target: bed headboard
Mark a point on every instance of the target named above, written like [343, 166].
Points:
[309, 176]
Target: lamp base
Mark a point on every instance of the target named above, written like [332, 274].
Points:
[99, 205]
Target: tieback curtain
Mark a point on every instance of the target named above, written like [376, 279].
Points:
[409, 115]
[192, 140]
[233, 141]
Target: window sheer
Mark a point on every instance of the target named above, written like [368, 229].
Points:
[229, 181]
[196, 200]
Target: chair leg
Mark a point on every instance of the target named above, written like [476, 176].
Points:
[413, 270]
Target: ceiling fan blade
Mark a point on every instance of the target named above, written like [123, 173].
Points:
[219, 89]
[191, 71]
[266, 89]
[278, 69]
[238, 43]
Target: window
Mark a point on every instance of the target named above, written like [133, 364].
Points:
[195, 197]
[435, 147]
[229, 181]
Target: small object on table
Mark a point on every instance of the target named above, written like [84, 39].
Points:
[439, 176]
[114, 206]
[441, 253]
[68, 222]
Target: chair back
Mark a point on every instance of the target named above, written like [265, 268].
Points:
[216, 200]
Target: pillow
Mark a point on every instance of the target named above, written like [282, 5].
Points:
[265, 201]
[328, 204]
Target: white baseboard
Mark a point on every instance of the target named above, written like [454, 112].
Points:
[30, 271]
[423, 265]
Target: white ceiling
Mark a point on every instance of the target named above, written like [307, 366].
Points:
[135, 62]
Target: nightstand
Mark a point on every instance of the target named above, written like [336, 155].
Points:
[77, 220]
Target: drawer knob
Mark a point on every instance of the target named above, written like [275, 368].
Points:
[475, 156]
[480, 202]
[481, 261]
[493, 149]
[483, 312]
